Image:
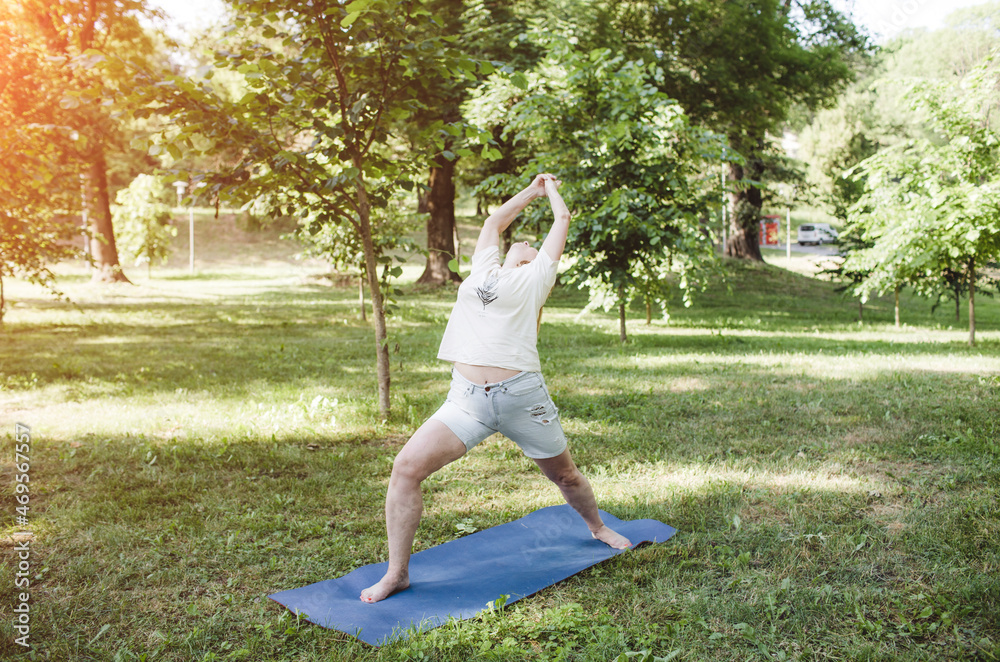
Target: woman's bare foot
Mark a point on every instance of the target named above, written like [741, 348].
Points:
[385, 587]
[611, 538]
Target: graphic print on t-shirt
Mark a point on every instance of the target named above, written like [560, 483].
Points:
[488, 292]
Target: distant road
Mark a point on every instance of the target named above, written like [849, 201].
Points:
[825, 249]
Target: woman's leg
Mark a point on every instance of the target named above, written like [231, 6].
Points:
[431, 447]
[562, 471]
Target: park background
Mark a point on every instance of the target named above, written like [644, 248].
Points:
[820, 425]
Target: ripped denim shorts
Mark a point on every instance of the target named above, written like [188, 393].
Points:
[519, 408]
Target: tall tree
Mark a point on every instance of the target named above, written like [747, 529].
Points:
[837, 139]
[39, 166]
[142, 217]
[325, 82]
[82, 36]
[37, 185]
[739, 67]
[442, 106]
[488, 31]
[875, 114]
[630, 164]
[931, 206]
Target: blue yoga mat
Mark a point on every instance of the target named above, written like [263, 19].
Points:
[459, 578]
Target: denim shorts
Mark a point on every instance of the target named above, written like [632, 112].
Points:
[519, 408]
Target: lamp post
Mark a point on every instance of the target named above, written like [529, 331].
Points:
[788, 236]
[788, 223]
[790, 142]
[181, 187]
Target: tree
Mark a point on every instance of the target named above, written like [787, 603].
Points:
[868, 117]
[324, 85]
[143, 221]
[968, 36]
[488, 31]
[630, 165]
[441, 229]
[38, 184]
[740, 67]
[88, 40]
[837, 139]
[443, 107]
[931, 207]
[955, 285]
[33, 235]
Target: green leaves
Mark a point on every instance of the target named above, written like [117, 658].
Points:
[491, 153]
[630, 163]
[141, 220]
[931, 209]
[519, 80]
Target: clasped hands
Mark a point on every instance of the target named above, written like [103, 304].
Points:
[540, 186]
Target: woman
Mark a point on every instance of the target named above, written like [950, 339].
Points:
[497, 384]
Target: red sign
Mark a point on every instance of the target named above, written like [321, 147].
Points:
[770, 228]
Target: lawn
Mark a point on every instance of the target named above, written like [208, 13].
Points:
[201, 441]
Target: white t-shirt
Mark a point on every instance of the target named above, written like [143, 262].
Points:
[495, 319]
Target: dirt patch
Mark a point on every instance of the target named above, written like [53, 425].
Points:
[904, 473]
[332, 279]
[889, 516]
[16, 538]
[863, 437]
[395, 441]
[765, 512]
[687, 384]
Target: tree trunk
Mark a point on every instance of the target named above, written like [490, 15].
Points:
[958, 308]
[3, 302]
[897, 305]
[378, 307]
[506, 240]
[744, 210]
[649, 310]
[84, 211]
[621, 314]
[102, 232]
[440, 225]
[861, 310]
[972, 303]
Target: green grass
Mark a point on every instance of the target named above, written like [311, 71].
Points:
[200, 442]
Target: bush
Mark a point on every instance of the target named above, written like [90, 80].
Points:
[142, 221]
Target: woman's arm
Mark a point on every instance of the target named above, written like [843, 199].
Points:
[499, 220]
[555, 241]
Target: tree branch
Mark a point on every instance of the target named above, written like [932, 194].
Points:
[338, 71]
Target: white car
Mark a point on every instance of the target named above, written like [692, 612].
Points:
[816, 233]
